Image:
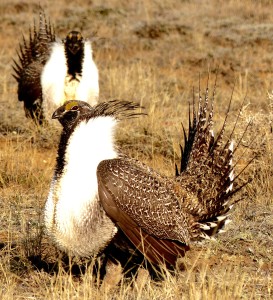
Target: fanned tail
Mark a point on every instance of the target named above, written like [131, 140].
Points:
[207, 169]
[32, 56]
[36, 47]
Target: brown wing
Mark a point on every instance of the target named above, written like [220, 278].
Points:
[145, 208]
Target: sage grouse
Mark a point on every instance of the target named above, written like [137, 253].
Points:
[96, 190]
[50, 72]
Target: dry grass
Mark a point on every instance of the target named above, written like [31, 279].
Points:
[152, 52]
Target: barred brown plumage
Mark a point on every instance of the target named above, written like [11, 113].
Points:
[161, 216]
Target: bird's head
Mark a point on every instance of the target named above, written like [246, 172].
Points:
[71, 111]
[74, 111]
[74, 42]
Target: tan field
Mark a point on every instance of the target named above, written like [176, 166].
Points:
[152, 52]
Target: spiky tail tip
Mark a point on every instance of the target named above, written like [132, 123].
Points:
[207, 168]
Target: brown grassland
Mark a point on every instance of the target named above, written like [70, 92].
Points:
[153, 52]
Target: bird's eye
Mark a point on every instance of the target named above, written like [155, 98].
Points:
[75, 107]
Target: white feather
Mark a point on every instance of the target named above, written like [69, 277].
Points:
[57, 85]
[229, 189]
[53, 79]
[204, 227]
[212, 224]
[77, 189]
[231, 146]
[221, 218]
[90, 143]
[49, 207]
[211, 133]
[231, 175]
[88, 89]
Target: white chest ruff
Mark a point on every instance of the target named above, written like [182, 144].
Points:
[57, 85]
[73, 215]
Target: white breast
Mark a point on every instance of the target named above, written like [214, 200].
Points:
[88, 88]
[57, 86]
[73, 197]
[53, 79]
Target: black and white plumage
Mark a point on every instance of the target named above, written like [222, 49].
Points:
[50, 72]
[74, 216]
[96, 190]
[70, 73]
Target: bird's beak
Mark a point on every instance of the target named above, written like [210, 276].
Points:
[56, 115]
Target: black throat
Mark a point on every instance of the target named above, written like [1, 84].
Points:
[74, 62]
[60, 161]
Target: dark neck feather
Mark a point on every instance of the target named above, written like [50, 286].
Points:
[74, 62]
[64, 141]
[61, 153]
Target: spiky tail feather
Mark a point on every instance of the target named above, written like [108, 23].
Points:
[35, 48]
[207, 168]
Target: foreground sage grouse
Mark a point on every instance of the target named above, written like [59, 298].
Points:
[97, 191]
[50, 72]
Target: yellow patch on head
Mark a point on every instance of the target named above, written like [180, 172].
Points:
[71, 104]
[70, 35]
[79, 36]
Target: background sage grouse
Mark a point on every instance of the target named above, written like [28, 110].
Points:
[96, 190]
[50, 72]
